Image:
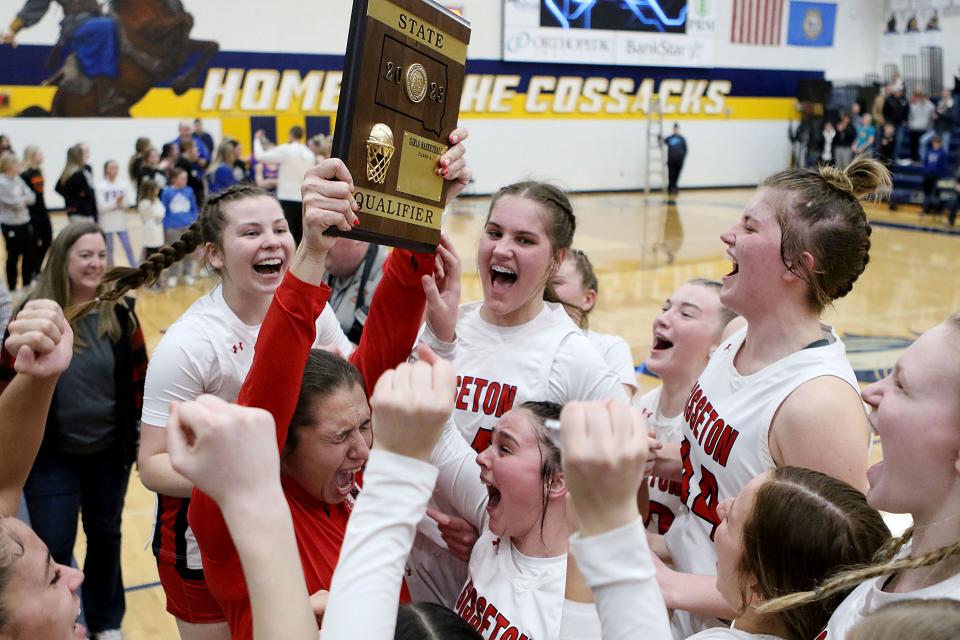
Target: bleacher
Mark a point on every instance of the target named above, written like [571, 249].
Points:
[908, 175]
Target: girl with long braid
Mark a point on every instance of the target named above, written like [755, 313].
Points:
[916, 412]
[210, 349]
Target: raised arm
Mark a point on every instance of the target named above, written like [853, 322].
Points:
[605, 450]
[227, 452]
[38, 350]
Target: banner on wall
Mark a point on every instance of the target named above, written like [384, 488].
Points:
[811, 24]
[912, 24]
[658, 33]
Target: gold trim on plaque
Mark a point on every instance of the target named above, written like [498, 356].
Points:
[417, 29]
[416, 82]
[399, 209]
[418, 163]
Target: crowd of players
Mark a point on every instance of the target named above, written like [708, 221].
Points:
[486, 469]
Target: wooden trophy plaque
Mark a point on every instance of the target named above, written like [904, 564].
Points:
[399, 101]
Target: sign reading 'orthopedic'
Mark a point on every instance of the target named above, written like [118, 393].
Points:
[399, 102]
[670, 33]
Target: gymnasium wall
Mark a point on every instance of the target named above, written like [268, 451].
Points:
[584, 126]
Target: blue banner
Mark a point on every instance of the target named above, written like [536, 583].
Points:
[811, 24]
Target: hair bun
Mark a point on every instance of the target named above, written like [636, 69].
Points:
[864, 177]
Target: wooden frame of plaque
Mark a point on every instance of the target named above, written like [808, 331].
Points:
[403, 75]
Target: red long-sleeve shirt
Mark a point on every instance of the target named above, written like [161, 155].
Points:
[273, 383]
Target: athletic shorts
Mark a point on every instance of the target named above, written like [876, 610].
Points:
[188, 600]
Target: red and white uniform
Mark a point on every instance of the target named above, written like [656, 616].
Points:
[499, 368]
[208, 350]
[869, 597]
[725, 443]
[664, 494]
[616, 353]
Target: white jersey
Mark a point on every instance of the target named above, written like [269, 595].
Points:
[616, 353]
[293, 160]
[498, 368]
[869, 597]
[664, 494]
[151, 214]
[210, 350]
[110, 210]
[510, 595]
[725, 442]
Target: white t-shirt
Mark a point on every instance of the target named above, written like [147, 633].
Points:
[109, 211]
[498, 368]
[293, 160]
[151, 213]
[210, 350]
[504, 589]
[616, 353]
[664, 494]
[869, 597]
[726, 443]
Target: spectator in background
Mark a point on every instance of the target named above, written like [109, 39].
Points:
[180, 211]
[843, 142]
[187, 135]
[877, 109]
[15, 198]
[189, 161]
[353, 272]
[952, 217]
[111, 203]
[856, 118]
[200, 134]
[5, 144]
[151, 213]
[866, 135]
[136, 160]
[241, 170]
[92, 428]
[220, 173]
[293, 160]
[152, 168]
[886, 147]
[169, 154]
[676, 154]
[829, 134]
[76, 185]
[265, 176]
[920, 120]
[896, 110]
[321, 146]
[944, 120]
[936, 166]
[39, 216]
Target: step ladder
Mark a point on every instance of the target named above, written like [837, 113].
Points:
[656, 164]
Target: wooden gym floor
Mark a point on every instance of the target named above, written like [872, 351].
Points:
[642, 250]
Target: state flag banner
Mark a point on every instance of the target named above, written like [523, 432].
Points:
[757, 22]
[811, 24]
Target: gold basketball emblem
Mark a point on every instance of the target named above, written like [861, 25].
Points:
[416, 82]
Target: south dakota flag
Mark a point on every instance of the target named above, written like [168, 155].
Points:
[811, 24]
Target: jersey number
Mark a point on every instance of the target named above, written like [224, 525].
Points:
[663, 515]
[705, 504]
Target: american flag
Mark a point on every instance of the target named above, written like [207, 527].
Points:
[757, 22]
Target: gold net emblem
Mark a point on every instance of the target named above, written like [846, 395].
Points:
[416, 82]
[379, 151]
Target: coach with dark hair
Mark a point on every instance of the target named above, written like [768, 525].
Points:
[676, 154]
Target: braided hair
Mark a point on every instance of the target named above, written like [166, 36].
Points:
[823, 217]
[208, 227]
